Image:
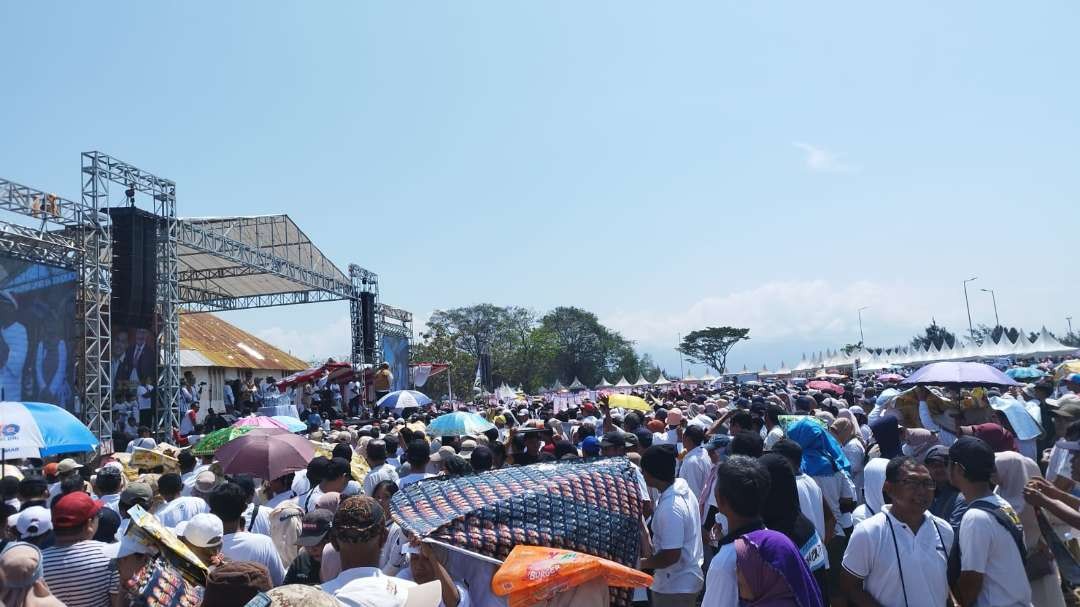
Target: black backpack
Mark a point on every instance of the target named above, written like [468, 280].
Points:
[1014, 529]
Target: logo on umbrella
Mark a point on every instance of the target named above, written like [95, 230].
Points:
[10, 430]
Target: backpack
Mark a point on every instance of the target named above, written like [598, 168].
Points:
[1012, 526]
[286, 522]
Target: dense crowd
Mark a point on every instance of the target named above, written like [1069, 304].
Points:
[753, 494]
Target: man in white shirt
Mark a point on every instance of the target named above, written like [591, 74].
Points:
[108, 484]
[991, 537]
[899, 556]
[227, 502]
[696, 464]
[177, 507]
[418, 455]
[375, 453]
[772, 424]
[358, 534]
[676, 528]
[335, 480]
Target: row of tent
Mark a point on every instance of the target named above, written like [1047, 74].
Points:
[1043, 345]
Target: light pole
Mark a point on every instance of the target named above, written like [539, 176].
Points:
[997, 323]
[967, 303]
[862, 340]
[1069, 320]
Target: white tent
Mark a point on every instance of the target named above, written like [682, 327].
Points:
[577, 385]
[603, 383]
[622, 383]
[689, 379]
[709, 377]
[1046, 344]
[661, 381]
[642, 382]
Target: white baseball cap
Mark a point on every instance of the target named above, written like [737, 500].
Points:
[31, 522]
[202, 530]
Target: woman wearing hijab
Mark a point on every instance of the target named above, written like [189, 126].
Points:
[873, 485]
[1013, 472]
[781, 513]
[886, 432]
[917, 441]
[846, 433]
[22, 583]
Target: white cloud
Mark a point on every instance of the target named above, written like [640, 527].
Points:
[795, 310]
[333, 338]
[821, 160]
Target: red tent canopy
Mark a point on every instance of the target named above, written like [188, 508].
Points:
[311, 374]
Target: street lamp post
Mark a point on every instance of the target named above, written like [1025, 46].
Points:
[967, 303]
[997, 322]
[1069, 320]
[862, 340]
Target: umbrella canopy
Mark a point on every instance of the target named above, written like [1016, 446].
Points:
[591, 507]
[564, 569]
[266, 456]
[890, 378]
[403, 399]
[292, 423]
[260, 421]
[825, 386]
[1066, 368]
[459, 423]
[958, 374]
[628, 401]
[219, 438]
[40, 429]
[1025, 373]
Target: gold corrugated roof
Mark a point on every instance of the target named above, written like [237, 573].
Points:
[225, 345]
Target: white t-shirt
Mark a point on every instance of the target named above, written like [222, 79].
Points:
[721, 583]
[181, 509]
[810, 503]
[871, 557]
[677, 524]
[987, 548]
[773, 436]
[695, 469]
[385, 472]
[254, 547]
[111, 501]
[262, 520]
[833, 488]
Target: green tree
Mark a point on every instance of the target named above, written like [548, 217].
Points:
[710, 346]
[985, 333]
[934, 335]
[437, 344]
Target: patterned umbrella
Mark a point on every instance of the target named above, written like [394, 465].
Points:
[590, 507]
[403, 399]
[219, 438]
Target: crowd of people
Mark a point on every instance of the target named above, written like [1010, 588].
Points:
[759, 494]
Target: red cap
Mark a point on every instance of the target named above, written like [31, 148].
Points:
[549, 448]
[74, 509]
[50, 469]
[338, 423]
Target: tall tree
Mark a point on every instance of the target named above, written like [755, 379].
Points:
[934, 335]
[710, 346]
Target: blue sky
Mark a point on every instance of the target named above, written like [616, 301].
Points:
[669, 166]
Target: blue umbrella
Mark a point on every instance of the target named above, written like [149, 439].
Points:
[1025, 373]
[39, 430]
[459, 423]
[292, 423]
[403, 399]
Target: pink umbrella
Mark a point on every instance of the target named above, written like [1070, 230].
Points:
[825, 386]
[890, 378]
[265, 456]
[260, 421]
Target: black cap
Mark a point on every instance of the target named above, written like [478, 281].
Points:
[975, 455]
[316, 524]
[614, 438]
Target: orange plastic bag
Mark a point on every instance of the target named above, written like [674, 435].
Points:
[533, 574]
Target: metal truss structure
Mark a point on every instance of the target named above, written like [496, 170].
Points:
[394, 321]
[75, 236]
[100, 170]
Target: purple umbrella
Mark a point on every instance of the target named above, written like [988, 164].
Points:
[266, 456]
[960, 375]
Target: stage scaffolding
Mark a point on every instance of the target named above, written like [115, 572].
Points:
[75, 236]
[203, 265]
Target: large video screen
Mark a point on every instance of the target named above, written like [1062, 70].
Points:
[37, 333]
[396, 353]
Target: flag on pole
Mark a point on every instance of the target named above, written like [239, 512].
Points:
[477, 384]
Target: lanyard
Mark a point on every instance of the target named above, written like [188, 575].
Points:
[896, 550]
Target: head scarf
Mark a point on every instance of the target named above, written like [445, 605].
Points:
[822, 454]
[774, 570]
[874, 483]
[22, 576]
[328, 501]
[919, 441]
[843, 429]
[997, 437]
[1013, 472]
[886, 431]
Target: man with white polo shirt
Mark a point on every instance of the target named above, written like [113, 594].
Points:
[676, 530]
[899, 556]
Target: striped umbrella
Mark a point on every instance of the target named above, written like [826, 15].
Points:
[39, 430]
[404, 399]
